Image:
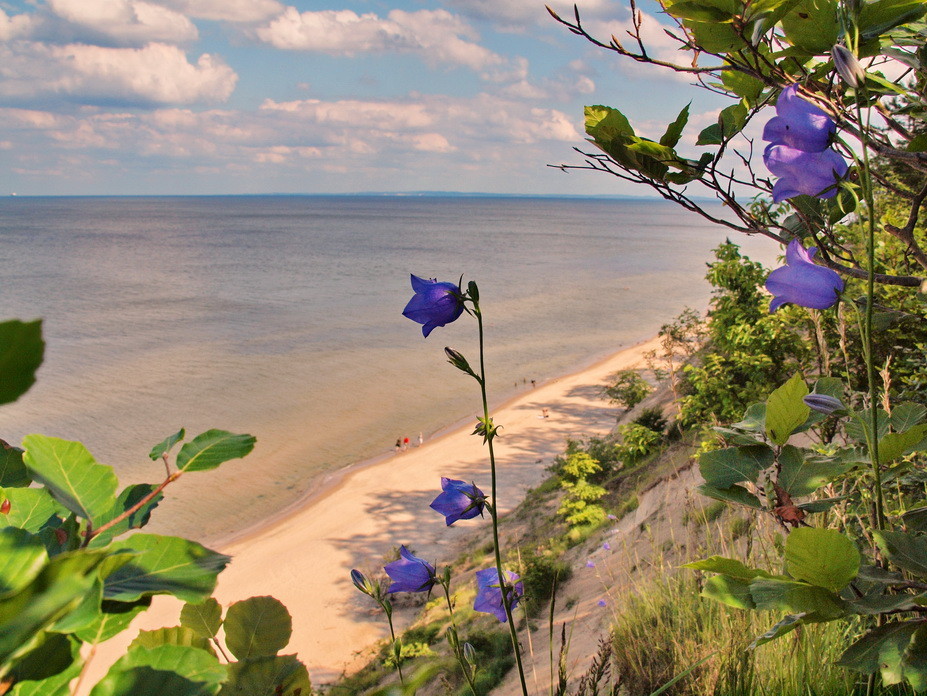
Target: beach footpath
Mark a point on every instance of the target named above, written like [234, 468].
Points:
[304, 556]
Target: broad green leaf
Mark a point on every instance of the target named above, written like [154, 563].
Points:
[894, 445]
[166, 444]
[732, 120]
[129, 497]
[162, 670]
[282, 675]
[906, 415]
[13, 473]
[730, 591]
[659, 152]
[257, 627]
[727, 566]
[914, 662]
[859, 425]
[604, 123]
[812, 26]
[71, 475]
[736, 437]
[754, 419]
[879, 576]
[743, 85]
[820, 505]
[880, 16]
[915, 520]
[716, 37]
[698, 11]
[22, 557]
[822, 557]
[173, 635]
[146, 681]
[59, 588]
[47, 669]
[674, 130]
[205, 618]
[800, 476]
[796, 598]
[30, 508]
[193, 663]
[872, 605]
[787, 625]
[210, 449]
[84, 614]
[711, 135]
[882, 649]
[21, 352]
[113, 619]
[732, 494]
[905, 550]
[785, 410]
[164, 565]
[725, 467]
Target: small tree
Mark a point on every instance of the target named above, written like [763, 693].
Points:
[627, 390]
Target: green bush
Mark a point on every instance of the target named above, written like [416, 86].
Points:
[627, 389]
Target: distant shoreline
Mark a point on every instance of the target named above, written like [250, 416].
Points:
[374, 194]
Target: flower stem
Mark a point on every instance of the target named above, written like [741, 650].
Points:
[489, 434]
[458, 653]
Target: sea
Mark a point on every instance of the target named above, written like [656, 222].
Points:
[280, 316]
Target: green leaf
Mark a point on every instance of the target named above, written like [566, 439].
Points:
[754, 420]
[915, 520]
[787, 625]
[859, 424]
[732, 494]
[785, 410]
[166, 669]
[822, 557]
[13, 473]
[257, 627]
[22, 557]
[880, 16]
[212, 448]
[800, 476]
[71, 475]
[906, 415]
[727, 566]
[604, 123]
[48, 668]
[894, 445]
[59, 588]
[30, 508]
[918, 143]
[21, 353]
[205, 618]
[905, 550]
[744, 86]
[164, 565]
[698, 11]
[166, 444]
[730, 591]
[881, 649]
[872, 605]
[129, 497]
[674, 130]
[84, 614]
[712, 135]
[715, 37]
[812, 26]
[113, 619]
[173, 635]
[796, 598]
[725, 467]
[732, 120]
[282, 675]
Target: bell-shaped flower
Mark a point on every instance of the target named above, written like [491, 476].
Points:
[799, 172]
[489, 592]
[410, 573]
[433, 304]
[458, 500]
[799, 124]
[803, 282]
[823, 403]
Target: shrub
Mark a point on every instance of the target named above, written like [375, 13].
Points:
[627, 389]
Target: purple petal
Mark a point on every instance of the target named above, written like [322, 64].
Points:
[489, 592]
[410, 573]
[803, 282]
[799, 124]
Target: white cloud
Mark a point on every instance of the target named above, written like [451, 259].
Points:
[436, 35]
[126, 22]
[14, 27]
[154, 74]
[516, 15]
[244, 11]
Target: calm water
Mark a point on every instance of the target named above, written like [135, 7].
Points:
[280, 316]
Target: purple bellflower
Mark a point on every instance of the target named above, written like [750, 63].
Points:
[433, 304]
[803, 282]
[800, 172]
[459, 500]
[489, 592]
[410, 573]
[799, 124]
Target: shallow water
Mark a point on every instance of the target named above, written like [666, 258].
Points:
[280, 316]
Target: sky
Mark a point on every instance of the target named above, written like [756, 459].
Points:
[124, 97]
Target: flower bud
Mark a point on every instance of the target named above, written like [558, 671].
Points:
[457, 359]
[847, 65]
[822, 403]
[469, 653]
[362, 583]
[5, 506]
[61, 536]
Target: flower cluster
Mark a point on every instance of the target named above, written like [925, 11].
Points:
[799, 152]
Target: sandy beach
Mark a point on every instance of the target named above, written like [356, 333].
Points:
[304, 556]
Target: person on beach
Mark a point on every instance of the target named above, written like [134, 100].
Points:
[405, 443]
[421, 440]
[398, 443]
